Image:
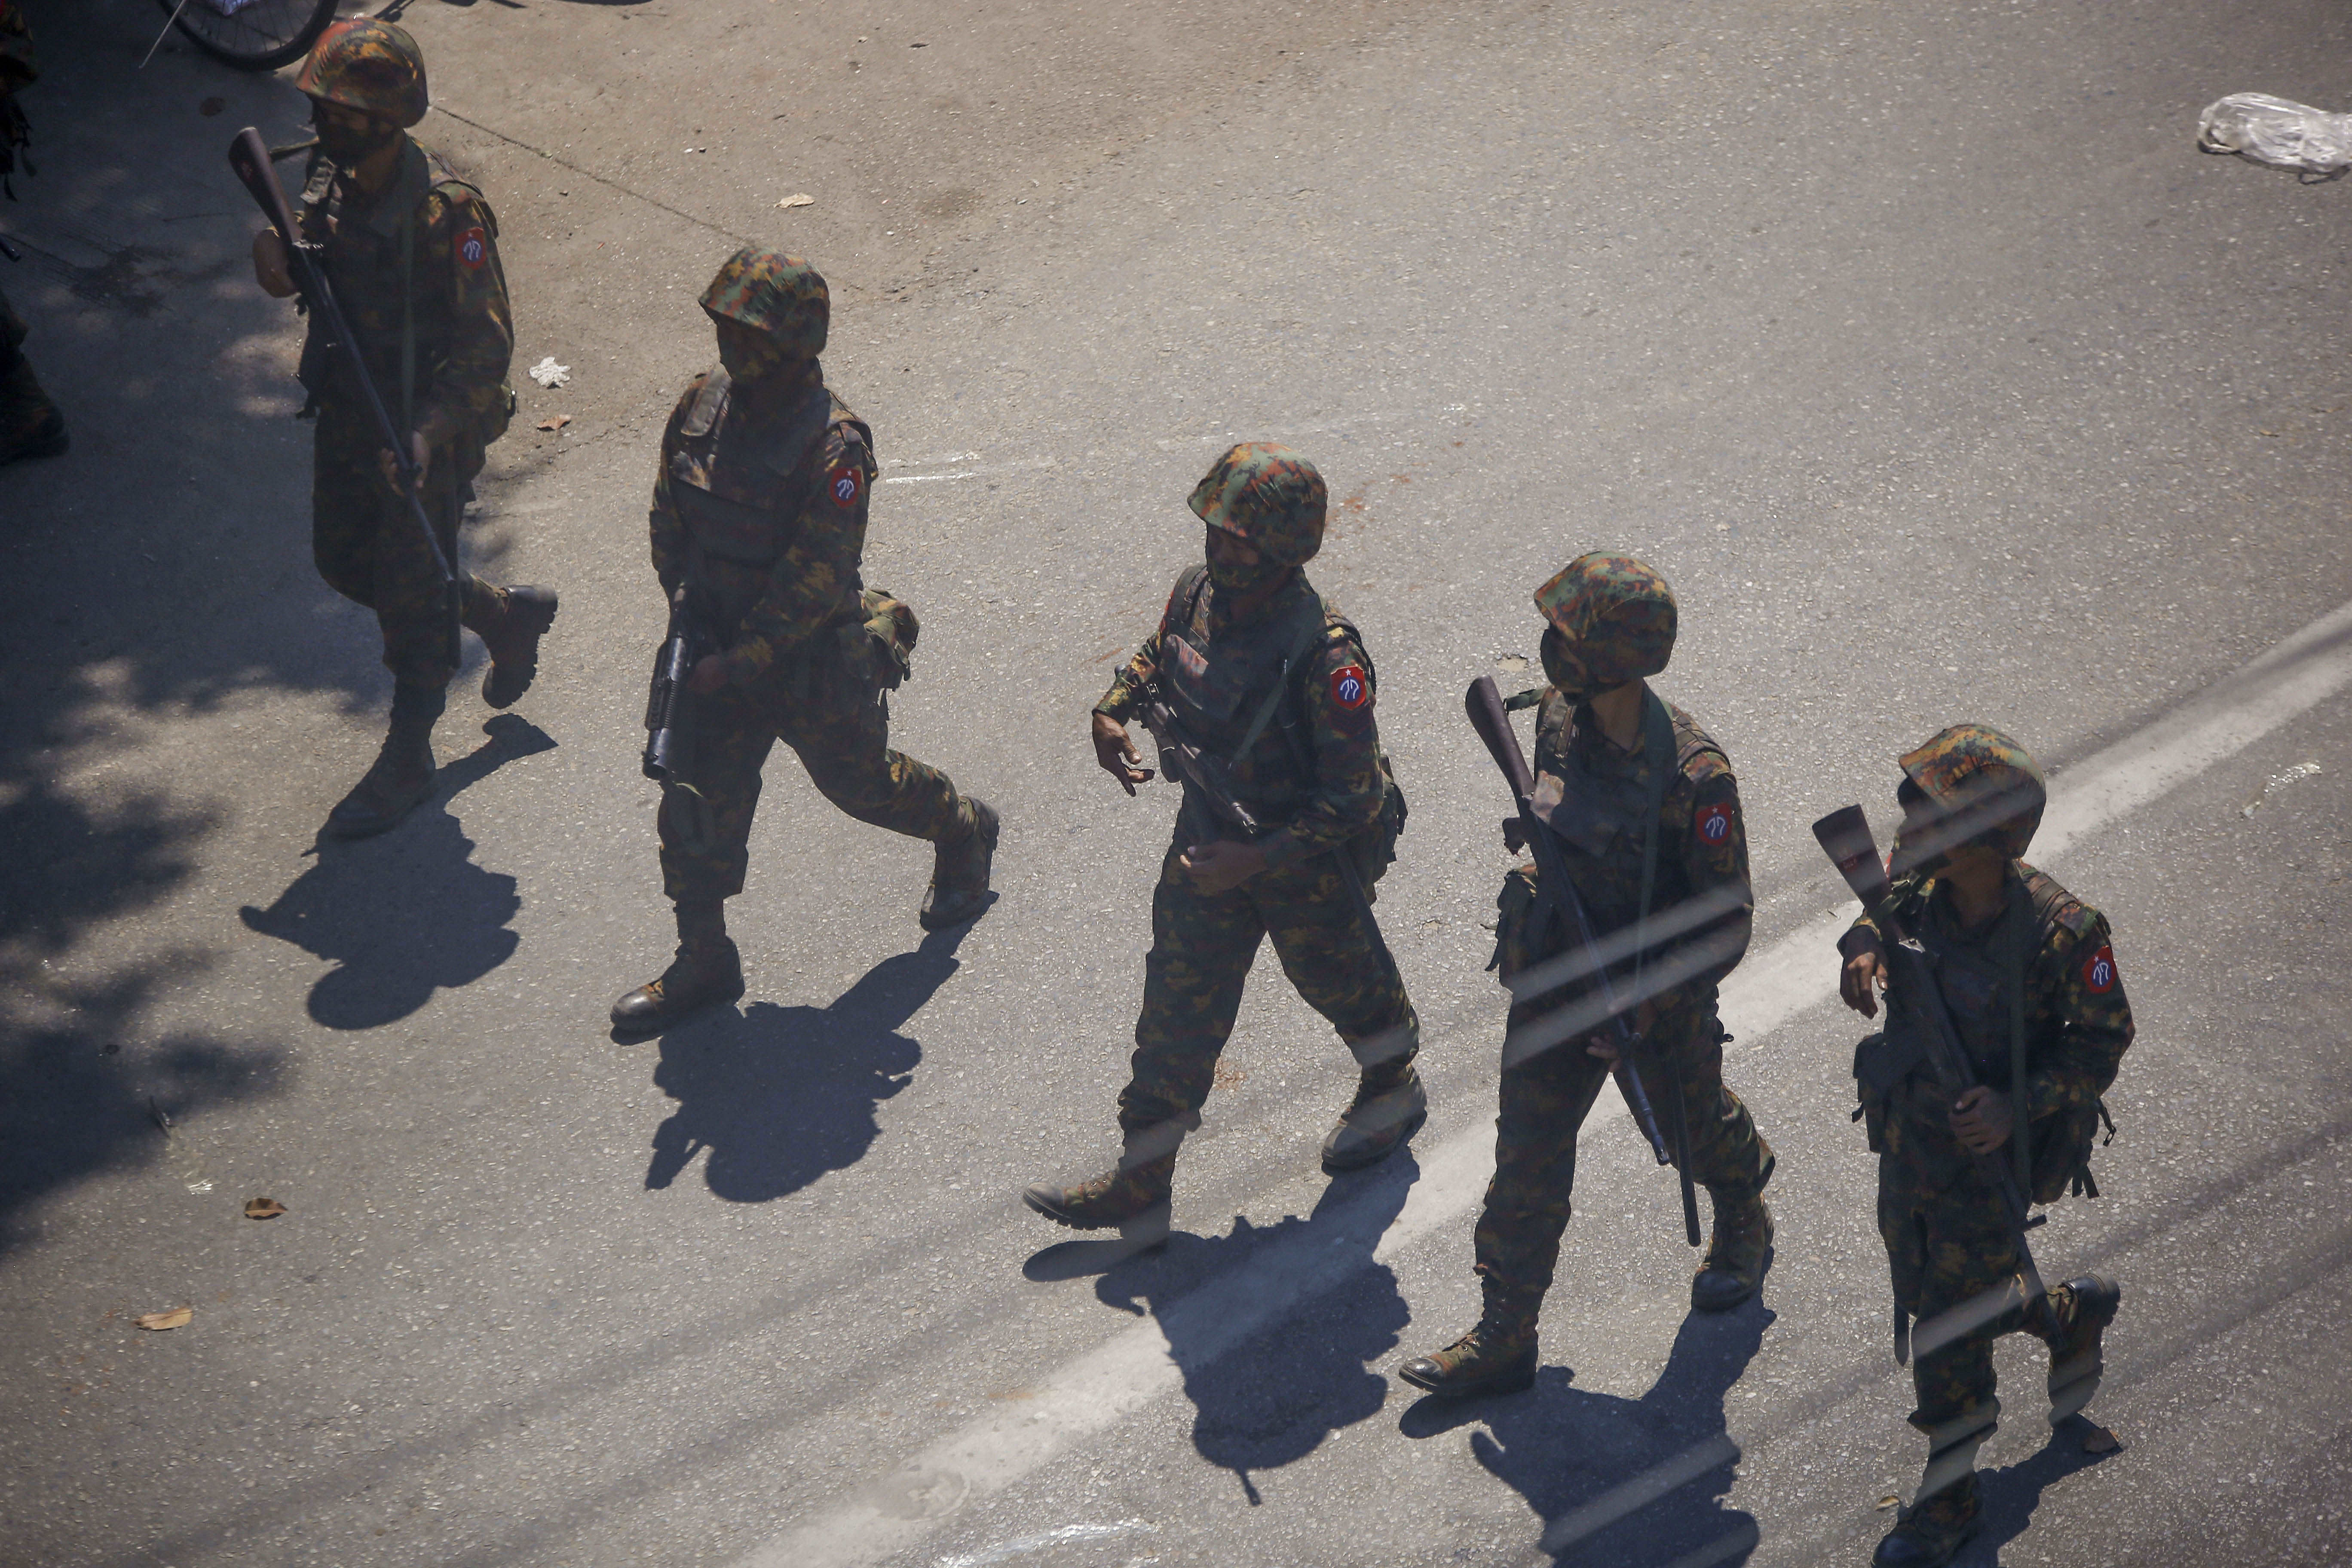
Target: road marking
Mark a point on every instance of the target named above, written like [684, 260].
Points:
[1136, 1367]
[1028, 1543]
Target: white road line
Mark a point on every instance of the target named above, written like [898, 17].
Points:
[1097, 1389]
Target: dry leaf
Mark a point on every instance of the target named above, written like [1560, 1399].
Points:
[263, 1208]
[178, 1317]
[2102, 1441]
[801, 199]
[1890, 1500]
[555, 422]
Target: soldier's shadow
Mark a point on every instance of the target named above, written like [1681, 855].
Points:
[1276, 1395]
[1630, 1483]
[2011, 1493]
[780, 1096]
[407, 913]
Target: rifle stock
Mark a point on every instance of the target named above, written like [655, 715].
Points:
[1492, 721]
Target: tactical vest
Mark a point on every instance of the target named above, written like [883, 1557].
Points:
[740, 485]
[1975, 979]
[1601, 819]
[1217, 689]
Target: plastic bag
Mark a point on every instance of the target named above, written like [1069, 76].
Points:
[2276, 131]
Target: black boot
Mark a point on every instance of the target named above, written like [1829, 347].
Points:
[402, 775]
[2076, 1315]
[959, 871]
[1389, 1105]
[706, 970]
[1738, 1250]
[1931, 1531]
[513, 642]
[1498, 1356]
[1133, 1194]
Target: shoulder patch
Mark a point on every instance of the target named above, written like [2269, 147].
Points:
[1350, 687]
[473, 247]
[845, 483]
[1711, 825]
[2099, 970]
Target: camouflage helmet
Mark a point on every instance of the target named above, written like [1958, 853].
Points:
[774, 293]
[367, 65]
[1268, 496]
[1616, 614]
[1972, 784]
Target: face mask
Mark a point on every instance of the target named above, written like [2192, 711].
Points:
[349, 147]
[1231, 577]
[1561, 668]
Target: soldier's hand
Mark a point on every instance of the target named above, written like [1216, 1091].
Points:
[419, 454]
[271, 267]
[1604, 1048]
[1980, 1120]
[1222, 867]
[709, 674]
[1116, 754]
[1863, 977]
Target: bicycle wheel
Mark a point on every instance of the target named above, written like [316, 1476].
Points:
[253, 34]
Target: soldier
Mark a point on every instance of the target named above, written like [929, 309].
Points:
[1268, 678]
[759, 518]
[30, 424]
[2028, 977]
[412, 252]
[1646, 813]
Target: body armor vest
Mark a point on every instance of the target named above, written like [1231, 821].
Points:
[1216, 687]
[1975, 979]
[1601, 819]
[739, 485]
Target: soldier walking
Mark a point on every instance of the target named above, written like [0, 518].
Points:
[759, 525]
[1272, 686]
[2027, 974]
[1647, 813]
[412, 252]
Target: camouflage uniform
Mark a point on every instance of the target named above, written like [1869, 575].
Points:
[30, 424]
[437, 232]
[1947, 1239]
[1202, 944]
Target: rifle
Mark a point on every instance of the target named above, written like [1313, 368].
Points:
[1207, 779]
[669, 745]
[1845, 835]
[249, 158]
[1492, 721]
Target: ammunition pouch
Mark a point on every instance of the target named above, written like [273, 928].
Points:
[2062, 1151]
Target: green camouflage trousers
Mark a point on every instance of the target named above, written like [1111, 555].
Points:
[1946, 1244]
[842, 738]
[1546, 1099]
[1203, 945]
[369, 550]
[23, 404]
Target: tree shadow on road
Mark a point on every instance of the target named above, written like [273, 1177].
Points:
[781, 1096]
[408, 913]
[1274, 1398]
[1630, 1483]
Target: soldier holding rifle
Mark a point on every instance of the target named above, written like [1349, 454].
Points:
[1261, 695]
[410, 251]
[2006, 1021]
[1643, 812]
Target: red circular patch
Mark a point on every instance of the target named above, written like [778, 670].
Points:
[1350, 688]
[1713, 825]
[847, 483]
[2099, 970]
[473, 247]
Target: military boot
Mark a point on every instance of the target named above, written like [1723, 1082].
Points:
[1133, 1194]
[1738, 1250]
[402, 775]
[2075, 1317]
[1498, 1356]
[1389, 1104]
[1931, 1531]
[524, 615]
[30, 424]
[959, 870]
[706, 970]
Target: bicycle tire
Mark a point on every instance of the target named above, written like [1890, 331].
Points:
[259, 35]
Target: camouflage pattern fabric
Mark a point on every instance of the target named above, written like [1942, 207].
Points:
[1330, 710]
[1947, 1241]
[367, 65]
[774, 293]
[1616, 614]
[1598, 793]
[1268, 496]
[464, 329]
[365, 541]
[833, 717]
[1978, 774]
[818, 505]
[1203, 945]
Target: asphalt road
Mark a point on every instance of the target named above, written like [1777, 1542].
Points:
[1923, 352]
